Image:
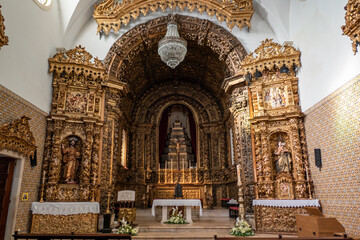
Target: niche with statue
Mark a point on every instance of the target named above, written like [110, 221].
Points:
[71, 149]
[282, 165]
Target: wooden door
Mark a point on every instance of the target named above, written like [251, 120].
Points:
[6, 177]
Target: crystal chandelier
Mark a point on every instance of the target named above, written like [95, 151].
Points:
[172, 48]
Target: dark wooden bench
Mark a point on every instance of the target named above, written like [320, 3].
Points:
[93, 236]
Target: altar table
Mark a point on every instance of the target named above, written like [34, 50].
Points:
[64, 217]
[188, 203]
[273, 215]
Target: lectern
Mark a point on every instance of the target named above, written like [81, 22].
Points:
[314, 224]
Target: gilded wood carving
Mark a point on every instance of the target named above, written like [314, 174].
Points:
[17, 136]
[56, 224]
[279, 144]
[277, 120]
[352, 23]
[112, 15]
[74, 126]
[274, 219]
[4, 40]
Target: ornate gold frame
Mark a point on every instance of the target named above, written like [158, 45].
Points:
[16, 136]
[112, 15]
[352, 23]
[4, 40]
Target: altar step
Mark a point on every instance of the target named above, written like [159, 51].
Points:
[212, 222]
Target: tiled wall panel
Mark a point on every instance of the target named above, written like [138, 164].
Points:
[333, 125]
[13, 107]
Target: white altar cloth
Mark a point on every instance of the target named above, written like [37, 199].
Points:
[176, 202]
[287, 203]
[187, 203]
[65, 208]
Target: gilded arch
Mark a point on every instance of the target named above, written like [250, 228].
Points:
[127, 58]
[111, 15]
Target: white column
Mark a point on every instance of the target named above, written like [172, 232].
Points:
[164, 214]
[188, 214]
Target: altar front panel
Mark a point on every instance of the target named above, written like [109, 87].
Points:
[77, 223]
[280, 215]
[64, 217]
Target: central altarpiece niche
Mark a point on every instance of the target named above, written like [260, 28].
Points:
[177, 139]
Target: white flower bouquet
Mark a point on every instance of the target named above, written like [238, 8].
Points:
[125, 228]
[176, 217]
[242, 228]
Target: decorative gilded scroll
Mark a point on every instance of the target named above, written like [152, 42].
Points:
[269, 55]
[56, 224]
[111, 15]
[16, 136]
[352, 23]
[4, 40]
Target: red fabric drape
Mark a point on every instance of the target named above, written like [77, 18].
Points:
[192, 131]
[163, 131]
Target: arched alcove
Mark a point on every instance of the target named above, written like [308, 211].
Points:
[149, 88]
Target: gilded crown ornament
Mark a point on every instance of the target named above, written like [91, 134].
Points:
[172, 48]
[268, 55]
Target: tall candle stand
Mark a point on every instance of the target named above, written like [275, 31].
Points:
[42, 188]
[308, 181]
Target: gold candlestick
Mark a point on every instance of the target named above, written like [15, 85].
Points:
[42, 188]
[308, 181]
[108, 202]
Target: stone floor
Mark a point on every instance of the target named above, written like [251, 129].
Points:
[212, 222]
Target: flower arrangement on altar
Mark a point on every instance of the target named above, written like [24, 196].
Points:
[176, 217]
[126, 228]
[242, 228]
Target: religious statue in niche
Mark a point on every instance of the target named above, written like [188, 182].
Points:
[71, 151]
[276, 97]
[283, 161]
[76, 102]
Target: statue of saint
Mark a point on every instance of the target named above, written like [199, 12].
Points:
[178, 191]
[283, 161]
[70, 158]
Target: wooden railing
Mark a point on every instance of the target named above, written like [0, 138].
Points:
[94, 236]
[284, 238]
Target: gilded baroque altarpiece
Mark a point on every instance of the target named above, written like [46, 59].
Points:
[280, 152]
[96, 108]
[250, 140]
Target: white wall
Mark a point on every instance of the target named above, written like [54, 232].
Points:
[33, 35]
[328, 61]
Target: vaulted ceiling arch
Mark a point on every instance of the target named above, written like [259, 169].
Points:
[213, 54]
